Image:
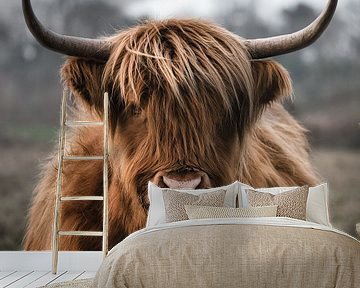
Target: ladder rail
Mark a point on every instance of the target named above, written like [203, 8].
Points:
[105, 176]
[55, 238]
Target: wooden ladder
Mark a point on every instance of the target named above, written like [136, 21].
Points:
[59, 198]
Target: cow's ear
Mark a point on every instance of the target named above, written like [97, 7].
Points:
[272, 81]
[83, 78]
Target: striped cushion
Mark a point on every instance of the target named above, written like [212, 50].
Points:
[201, 212]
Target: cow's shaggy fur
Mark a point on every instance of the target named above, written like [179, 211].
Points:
[182, 93]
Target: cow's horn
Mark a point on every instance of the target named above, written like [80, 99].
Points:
[274, 46]
[73, 46]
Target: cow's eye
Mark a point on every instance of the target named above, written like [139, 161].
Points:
[136, 110]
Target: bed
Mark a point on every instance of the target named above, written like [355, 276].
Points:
[215, 238]
[254, 252]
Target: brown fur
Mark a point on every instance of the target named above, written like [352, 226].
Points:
[182, 93]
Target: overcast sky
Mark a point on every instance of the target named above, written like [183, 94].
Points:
[206, 8]
[189, 8]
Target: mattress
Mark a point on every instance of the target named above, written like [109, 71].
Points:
[237, 252]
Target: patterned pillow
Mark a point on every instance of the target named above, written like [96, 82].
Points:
[201, 212]
[156, 213]
[290, 204]
[175, 201]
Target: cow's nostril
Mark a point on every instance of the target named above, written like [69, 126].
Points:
[182, 184]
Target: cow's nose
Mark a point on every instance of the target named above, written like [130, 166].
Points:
[180, 182]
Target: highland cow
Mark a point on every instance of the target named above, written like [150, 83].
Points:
[191, 105]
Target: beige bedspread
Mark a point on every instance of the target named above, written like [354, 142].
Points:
[233, 255]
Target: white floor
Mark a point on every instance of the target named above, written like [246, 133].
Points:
[31, 279]
[33, 269]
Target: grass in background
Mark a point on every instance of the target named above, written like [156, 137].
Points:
[22, 147]
[27, 133]
[341, 168]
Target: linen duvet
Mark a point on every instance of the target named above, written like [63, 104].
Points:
[237, 252]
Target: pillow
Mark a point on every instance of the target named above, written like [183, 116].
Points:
[175, 201]
[201, 212]
[290, 203]
[156, 213]
[317, 207]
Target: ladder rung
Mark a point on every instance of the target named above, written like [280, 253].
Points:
[83, 123]
[82, 198]
[83, 157]
[81, 233]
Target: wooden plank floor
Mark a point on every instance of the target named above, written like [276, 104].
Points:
[32, 269]
[17, 279]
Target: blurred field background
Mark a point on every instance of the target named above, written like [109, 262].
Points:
[326, 80]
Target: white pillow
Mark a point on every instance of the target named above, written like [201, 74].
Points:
[317, 207]
[156, 213]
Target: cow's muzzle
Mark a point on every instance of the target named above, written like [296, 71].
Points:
[186, 178]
